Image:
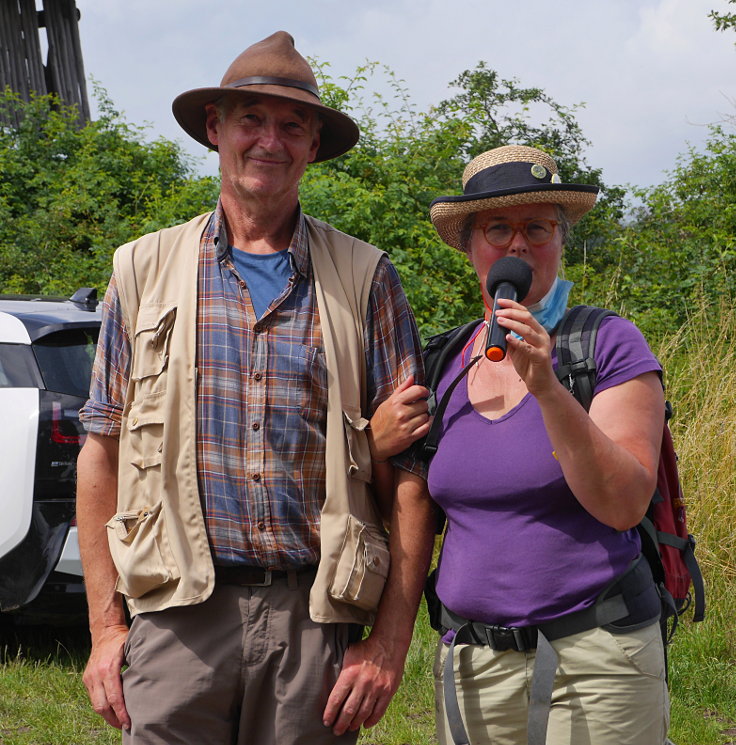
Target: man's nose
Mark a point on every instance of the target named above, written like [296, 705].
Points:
[270, 137]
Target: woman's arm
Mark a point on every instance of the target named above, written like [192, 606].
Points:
[399, 421]
[609, 456]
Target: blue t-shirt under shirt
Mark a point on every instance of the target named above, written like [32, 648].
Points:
[266, 275]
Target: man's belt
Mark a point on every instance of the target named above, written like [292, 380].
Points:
[251, 576]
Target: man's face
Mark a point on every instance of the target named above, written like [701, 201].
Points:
[265, 144]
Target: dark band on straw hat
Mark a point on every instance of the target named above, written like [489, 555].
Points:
[509, 175]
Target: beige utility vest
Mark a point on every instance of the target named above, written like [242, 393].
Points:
[158, 539]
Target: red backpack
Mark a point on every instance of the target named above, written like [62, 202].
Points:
[666, 543]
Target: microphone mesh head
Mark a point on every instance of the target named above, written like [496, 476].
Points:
[513, 270]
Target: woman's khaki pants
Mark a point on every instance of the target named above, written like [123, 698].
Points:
[610, 689]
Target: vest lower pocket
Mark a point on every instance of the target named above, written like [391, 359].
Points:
[140, 550]
[362, 566]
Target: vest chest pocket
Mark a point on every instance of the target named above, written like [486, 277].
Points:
[151, 343]
[140, 550]
[145, 425]
[145, 418]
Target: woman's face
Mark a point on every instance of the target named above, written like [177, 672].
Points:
[544, 258]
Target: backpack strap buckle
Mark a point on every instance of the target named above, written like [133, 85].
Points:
[502, 638]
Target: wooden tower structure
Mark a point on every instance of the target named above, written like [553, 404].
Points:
[21, 62]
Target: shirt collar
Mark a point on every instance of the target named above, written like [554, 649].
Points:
[298, 248]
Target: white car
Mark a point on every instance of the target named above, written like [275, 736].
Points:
[47, 349]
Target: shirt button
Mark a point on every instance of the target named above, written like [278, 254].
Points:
[258, 328]
[256, 426]
[256, 477]
[241, 283]
[261, 525]
[257, 376]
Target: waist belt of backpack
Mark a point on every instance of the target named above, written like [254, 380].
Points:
[619, 601]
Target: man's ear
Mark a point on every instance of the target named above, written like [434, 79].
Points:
[315, 142]
[213, 123]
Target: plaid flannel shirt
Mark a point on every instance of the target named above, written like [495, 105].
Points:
[261, 398]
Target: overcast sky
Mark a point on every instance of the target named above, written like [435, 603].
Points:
[652, 73]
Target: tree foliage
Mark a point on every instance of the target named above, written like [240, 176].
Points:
[70, 196]
[680, 248]
[723, 21]
[382, 189]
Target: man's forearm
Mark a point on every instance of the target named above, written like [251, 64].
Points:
[96, 504]
[372, 668]
[411, 543]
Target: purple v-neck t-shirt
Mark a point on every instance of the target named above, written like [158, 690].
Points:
[519, 548]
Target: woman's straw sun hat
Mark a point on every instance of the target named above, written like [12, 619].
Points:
[505, 177]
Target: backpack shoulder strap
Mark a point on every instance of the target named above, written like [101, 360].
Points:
[575, 345]
[436, 352]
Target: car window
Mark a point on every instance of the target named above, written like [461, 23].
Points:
[65, 359]
[18, 367]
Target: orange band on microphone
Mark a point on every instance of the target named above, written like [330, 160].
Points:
[495, 354]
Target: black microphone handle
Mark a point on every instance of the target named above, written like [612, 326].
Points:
[496, 335]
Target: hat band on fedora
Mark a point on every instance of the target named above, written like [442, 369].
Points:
[507, 176]
[267, 80]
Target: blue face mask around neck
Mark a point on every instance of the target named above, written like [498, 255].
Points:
[550, 309]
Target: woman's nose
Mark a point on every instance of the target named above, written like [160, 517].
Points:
[518, 245]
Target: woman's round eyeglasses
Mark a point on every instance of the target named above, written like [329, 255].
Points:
[500, 233]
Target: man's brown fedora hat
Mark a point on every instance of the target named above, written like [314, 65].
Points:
[505, 177]
[272, 67]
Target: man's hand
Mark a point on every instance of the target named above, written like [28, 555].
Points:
[102, 676]
[369, 678]
[372, 668]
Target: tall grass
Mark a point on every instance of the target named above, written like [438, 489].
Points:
[700, 361]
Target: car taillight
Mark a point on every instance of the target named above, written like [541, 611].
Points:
[63, 431]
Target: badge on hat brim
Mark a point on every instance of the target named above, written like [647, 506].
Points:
[556, 178]
[538, 171]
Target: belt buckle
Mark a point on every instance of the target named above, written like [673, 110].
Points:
[266, 580]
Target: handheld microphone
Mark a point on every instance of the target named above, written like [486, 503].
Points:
[510, 278]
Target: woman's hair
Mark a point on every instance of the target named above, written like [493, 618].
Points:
[466, 231]
[563, 224]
